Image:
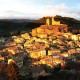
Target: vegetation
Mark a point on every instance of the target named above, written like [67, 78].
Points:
[12, 27]
[12, 71]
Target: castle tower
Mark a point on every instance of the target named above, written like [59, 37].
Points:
[55, 22]
[47, 21]
[51, 21]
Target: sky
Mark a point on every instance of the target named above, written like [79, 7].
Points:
[35, 9]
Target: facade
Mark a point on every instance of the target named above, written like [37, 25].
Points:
[55, 22]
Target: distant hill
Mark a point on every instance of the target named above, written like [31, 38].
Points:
[13, 26]
[73, 24]
[63, 20]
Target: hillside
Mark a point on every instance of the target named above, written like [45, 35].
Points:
[13, 26]
[73, 24]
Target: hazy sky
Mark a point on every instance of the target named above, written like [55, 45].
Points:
[39, 8]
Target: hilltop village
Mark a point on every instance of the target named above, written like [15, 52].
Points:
[51, 44]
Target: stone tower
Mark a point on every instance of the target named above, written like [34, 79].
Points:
[47, 21]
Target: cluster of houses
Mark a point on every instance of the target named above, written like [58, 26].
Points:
[48, 45]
